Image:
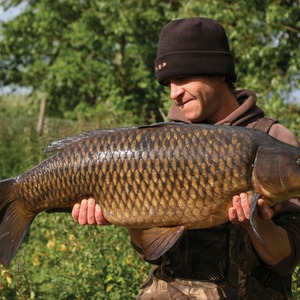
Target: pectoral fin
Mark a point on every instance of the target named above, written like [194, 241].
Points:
[254, 200]
[157, 241]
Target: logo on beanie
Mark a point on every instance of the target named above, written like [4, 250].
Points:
[160, 66]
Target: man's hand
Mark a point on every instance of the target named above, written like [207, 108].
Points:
[239, 213]
[276, 245]
[88, 213]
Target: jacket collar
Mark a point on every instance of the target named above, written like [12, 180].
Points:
[246, 113]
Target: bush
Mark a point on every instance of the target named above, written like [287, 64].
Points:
[61, 260]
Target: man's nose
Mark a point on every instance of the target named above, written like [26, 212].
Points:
[175, 91]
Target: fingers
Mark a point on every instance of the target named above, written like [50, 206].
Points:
[100, 220]
[232, 215]
[88, 212]
[240, 211]
[83, 212]
[264, 210]
[277, 207]
[75, 212]
[242, 208]
[91, 207]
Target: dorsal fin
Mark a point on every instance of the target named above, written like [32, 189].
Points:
[62, 143]
[162, 124]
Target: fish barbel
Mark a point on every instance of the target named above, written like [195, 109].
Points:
[167, 178]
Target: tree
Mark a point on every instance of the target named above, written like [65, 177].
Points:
[264, 38]
[95, 57]
[87, 53]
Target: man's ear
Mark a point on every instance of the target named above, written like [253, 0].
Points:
[222, 78]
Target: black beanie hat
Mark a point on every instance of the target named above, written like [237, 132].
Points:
[191, 47]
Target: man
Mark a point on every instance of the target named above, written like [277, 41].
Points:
[227, 261]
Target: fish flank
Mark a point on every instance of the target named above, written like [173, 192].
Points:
[147, 177]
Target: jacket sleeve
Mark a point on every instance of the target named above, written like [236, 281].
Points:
[289, 219]
[281, 133]
[289, 216]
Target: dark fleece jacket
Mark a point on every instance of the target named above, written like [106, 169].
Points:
[247, 115]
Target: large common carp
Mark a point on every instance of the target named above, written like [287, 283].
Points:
[167, 177]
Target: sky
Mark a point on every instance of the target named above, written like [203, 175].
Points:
[5, 16]
[12, 12]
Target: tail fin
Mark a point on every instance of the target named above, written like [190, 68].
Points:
[14, 223]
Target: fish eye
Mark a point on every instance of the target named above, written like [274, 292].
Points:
[298, 161]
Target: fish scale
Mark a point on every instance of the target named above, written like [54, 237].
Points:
[154, 173]
[166, 178]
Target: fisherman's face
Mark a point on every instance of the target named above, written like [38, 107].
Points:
[197, 97]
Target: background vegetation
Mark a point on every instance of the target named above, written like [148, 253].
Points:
[93, 60]
[59, 259]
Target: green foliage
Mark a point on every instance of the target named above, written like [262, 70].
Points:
[287, 114]
[91, 52]
[94, 61]
[264, 38]
[21, 147]
[100, 53]
[11, 160]
[296, 283]
[59, 259]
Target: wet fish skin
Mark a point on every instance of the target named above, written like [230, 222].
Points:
[140, 186]
[167, 177]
